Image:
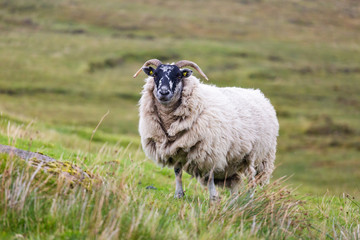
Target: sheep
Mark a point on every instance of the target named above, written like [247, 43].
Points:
[218, 135]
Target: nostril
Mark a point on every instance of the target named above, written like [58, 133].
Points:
[164, 91]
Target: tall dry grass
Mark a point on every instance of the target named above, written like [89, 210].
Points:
[36, 204]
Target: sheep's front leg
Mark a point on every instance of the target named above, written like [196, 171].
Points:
[214, 196]
[179, 192]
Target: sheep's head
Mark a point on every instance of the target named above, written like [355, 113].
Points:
[168, 78]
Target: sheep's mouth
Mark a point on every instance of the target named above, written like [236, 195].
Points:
[164, 99]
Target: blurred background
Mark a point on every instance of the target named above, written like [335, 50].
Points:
[64, 63]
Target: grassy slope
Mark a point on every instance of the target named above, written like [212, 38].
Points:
[122, 206]
[65, 64]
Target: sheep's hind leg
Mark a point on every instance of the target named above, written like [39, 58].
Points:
[179, 192]
[235, 186]
[252, 181]
[214, 196]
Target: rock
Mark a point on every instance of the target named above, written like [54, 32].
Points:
[70, 172]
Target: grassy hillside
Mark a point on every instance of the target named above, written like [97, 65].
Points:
[130, 198]
[64, 64]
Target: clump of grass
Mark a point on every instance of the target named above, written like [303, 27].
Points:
[271, 212]
[336, 217]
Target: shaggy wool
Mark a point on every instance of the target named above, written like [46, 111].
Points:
[231, 131]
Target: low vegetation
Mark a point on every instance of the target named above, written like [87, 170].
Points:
[125, 204]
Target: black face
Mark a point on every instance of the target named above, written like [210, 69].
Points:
[168, 81]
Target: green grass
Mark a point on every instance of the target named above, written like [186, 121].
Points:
[64, 64]
[39, 205]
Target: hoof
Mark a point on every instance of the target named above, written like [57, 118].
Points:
[178, 195]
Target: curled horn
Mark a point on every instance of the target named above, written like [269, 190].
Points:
[184, 63]
[154, 62]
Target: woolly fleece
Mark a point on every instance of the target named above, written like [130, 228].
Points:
[231, 131]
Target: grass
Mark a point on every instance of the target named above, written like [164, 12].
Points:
[40, 205]
[64, 64]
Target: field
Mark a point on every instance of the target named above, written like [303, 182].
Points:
[64, 64]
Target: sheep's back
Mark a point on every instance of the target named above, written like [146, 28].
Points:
[243, 122]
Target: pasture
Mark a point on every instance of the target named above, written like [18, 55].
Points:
[64, 64]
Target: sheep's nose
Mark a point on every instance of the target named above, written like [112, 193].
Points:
[164, 91]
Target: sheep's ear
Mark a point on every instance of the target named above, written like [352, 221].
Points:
[149, 71]
[186, 72]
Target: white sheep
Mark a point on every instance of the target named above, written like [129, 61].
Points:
[215, 134]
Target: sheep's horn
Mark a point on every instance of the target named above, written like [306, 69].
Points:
[154, 62]
[184, 63]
